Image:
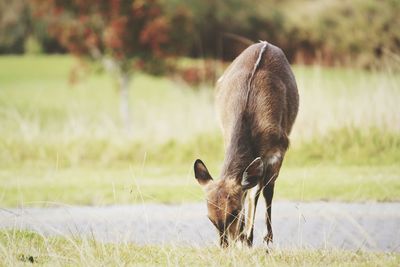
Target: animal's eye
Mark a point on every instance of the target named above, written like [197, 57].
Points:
[232, 216]
[234, 213]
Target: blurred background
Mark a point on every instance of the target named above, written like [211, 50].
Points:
[110, 102]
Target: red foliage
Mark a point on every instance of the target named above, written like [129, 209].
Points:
[155, 35]
[113, 35]
[136, 30]
[199, 75]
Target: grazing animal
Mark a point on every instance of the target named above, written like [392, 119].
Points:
[257, 103]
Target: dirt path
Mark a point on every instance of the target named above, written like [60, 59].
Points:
[370, 226]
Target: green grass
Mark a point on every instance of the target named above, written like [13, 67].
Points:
[105, 186]
[23, 248]
[64, 143]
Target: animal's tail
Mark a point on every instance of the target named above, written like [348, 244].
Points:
[256, 65]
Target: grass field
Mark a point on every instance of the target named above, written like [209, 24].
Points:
[19, 247]
[90, 186]
[64, 143]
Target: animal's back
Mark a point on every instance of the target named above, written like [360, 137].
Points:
[260, 84]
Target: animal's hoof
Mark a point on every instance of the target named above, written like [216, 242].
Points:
[268, 239]
[249, 242]
[268, 243]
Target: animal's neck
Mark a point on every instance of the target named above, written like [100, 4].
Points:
[240, 151]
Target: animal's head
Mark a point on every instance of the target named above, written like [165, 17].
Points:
[225, 197]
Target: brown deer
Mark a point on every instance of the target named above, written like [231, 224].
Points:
[257, 103]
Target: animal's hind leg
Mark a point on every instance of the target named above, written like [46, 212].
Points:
[268, 193]
[273, 161]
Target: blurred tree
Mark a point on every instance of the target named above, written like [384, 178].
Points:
[331, 32]
[218, 21]
[224, 28]
[14, 20]
[358, 32]
[122, 35]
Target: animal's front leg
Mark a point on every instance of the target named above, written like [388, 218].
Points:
[268, 193]
[251, 201]
[241, 239]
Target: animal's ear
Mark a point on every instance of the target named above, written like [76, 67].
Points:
[201, 173]
[253, 174]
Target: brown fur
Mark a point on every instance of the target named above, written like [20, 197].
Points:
[257, 105]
